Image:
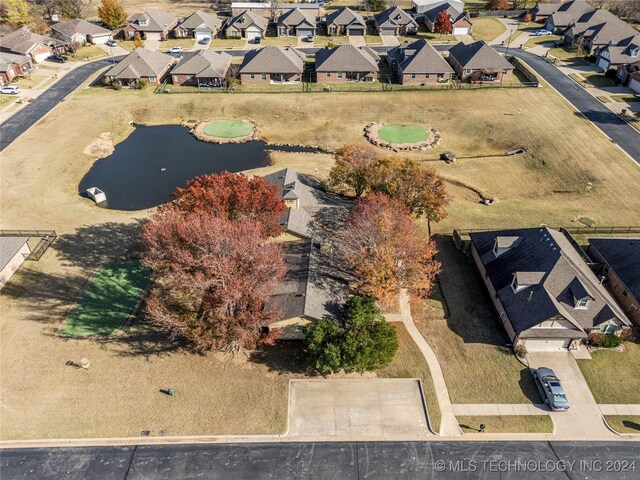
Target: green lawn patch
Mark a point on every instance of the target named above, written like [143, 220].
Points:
[507, 424]
[624, 423]
[488, 29]
[598, 80]
[403, 134]
[613, 376]
[626, 98]
[228, 129]
[107, 300]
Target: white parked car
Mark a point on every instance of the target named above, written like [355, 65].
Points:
[176, 50]
[542, 33]
[10, 90]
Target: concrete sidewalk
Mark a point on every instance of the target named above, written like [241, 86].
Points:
[481, 409]
[620, 409]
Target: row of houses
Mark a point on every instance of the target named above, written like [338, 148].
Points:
[597, 32]
[414, 63]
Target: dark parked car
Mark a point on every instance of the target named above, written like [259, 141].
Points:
[258, 39]
[57, 58]
[551, 389]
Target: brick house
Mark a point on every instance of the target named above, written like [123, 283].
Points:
[460, 23]
[272, 65]
[566, 15]
[345, 21]
[151, 24]
[202, 68]
[247, 25]
[477, 62]
[596, 30]
[37, 47]
[347, 63]
[266, 10]
[546, 295]
[618, 262]
[13, 65]
[418, 63]
[79, 32]
[296, 23]
[141, 64]
[395, 21]
[198, 25]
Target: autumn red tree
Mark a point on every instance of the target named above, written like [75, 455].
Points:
[212, 277]
[416, 186]
[353, 167]
[442, 24]
[498, 5]
[232, 196]
[528, 17]
[386, 250]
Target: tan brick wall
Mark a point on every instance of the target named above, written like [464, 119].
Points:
[407, 79]
[332, 77]
[246, 79]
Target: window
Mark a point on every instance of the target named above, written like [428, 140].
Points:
[328, 74]
[152, 79]
[625, 293]
[440, 76]
[253, 76]
[582, 303]
[339, 74]
[264, 76]
[413, 75]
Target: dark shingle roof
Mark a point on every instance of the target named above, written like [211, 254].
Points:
[623, 256]
[345, 16]
[246, 19]
[478, 55]
[347, 58]
[433, 13]
[419, 57]
[22, 41]
[157, 21]
[273, 60]
[141, 63]
[394, 16]
[200, 18]
[550, 257]
[204, 64]
[71, 27]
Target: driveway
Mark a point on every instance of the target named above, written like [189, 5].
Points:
[151, 44]
[357, 40]
[619, 131]
[381, 408]
[389, 40]
[584, 419]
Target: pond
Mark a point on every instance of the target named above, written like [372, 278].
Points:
[146, 168]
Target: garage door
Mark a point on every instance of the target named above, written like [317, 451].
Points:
[356, 31]
[541, 344]
[461, 31]
[153, 36]
[201, 35]
[387, 31]
[304, 32]
[635, 85]
[252, 33]
[39, 57]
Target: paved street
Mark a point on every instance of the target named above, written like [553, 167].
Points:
[620, 132]
[24, 119]
[341, 461]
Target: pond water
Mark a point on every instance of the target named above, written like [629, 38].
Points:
[146, 168]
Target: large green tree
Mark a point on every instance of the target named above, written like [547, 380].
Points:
[112, 13]
[366, 342]
[15, 12]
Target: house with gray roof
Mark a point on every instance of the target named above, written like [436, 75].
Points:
[460, 23]
[247, 25]
[418, 63]
[595, 30]
[24, 42]
[618, 263]
[296, 23]
[198, 25]
[13, 252]
[202, 68]
[567, 14]
[546, 295]
[345, 21]
[542, 11]
[141, 64]
[477, 62]
[151, 24]
[347, 63]
[13, 65]
[421, 6]
[395, 21]
[272, 65]
[613, 56]
[271, 11]
[79, 32]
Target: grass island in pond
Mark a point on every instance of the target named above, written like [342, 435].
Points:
[228, 129]
[403, 133]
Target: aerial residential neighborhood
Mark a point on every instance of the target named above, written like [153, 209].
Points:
[319, 239]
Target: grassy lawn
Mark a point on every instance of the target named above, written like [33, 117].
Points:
[604, 99]
[546, 41]
[403, 133]
[427, 35]
[29, 82]
[507, 424]
[86, 53]
[280, 41]
[227, 43]
[410, 363]
[323, 40]
[624, 424]
[127, 45]
[468, 341]
[7, 99]
[598, 79]
[185, 43]
[107, 300]
[487, 28]
[625, 98]
[613, 376]
[569, 56]
[228, 129]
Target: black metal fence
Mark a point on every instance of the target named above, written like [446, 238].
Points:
[574, 230]
[47, 237]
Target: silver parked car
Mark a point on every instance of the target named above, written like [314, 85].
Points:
[551, 389]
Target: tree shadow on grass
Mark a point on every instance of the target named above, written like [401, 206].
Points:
[285, 357]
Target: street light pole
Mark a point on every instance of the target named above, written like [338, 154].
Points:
[509, 42]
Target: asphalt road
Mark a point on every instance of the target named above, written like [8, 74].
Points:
[21, 121]
[341, 461]
[619, 131]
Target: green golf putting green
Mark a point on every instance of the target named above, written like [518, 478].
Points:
[403, 134]
[228, 129]
[107, 300]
